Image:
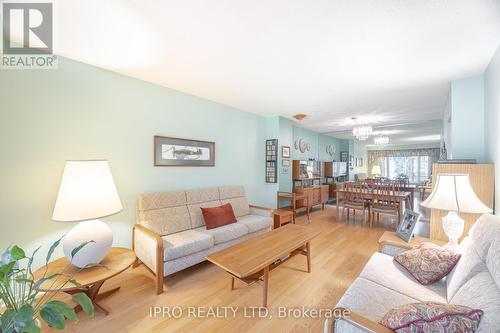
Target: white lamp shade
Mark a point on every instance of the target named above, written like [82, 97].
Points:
[376, 170]
[87, 192]
[453, 192]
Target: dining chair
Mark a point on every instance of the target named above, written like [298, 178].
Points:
[353, 199]
[384, 202]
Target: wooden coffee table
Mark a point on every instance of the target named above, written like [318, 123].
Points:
[252, 260]
[91, 279]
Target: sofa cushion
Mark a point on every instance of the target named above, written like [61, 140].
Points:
[160, 200]
[255, 222]
[481, 292]
[240, 205]
[202, 195]
[483, 232]
[228, 192]
[372, 300]
[166, 220]
[432, 317]
[469, 265]
[185, 243]
[195, 212]
[493, 261]
[219, 216]
[383, 270]
[428, 262]
[225, 233]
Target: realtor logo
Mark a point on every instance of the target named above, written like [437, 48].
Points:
[27, 35]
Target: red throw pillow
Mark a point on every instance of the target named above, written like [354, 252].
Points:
[218, 216]
[428, 262]
[432, 317]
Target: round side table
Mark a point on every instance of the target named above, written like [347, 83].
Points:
[91, 279]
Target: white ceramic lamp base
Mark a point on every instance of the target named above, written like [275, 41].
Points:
[453, 227]
[92, 253]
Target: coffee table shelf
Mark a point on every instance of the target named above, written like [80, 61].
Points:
[252, 260]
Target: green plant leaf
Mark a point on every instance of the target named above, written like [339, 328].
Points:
[6, 270]
[85, 303]
[7, 321]
[22, 279]
[17, 253]
[38, 283]
[23, 321]
[52, 317]
[63, 308]
[79, 247]
[74, 282]
[31, 327]
[52, 249]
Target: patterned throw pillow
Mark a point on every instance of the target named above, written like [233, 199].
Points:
[432, 317]
[428, 262]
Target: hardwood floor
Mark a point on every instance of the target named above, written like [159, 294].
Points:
[338, 256]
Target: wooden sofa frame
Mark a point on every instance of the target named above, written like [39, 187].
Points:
[160, 251]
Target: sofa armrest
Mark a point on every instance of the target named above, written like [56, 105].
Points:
[261, 211]
[358, 324]
[148, 247]
[393, 248]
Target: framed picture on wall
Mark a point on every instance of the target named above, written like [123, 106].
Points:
[183, 152]
[285, 151]
[285, 163]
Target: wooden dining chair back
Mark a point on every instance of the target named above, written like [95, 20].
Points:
[385, 202]
[354, 199]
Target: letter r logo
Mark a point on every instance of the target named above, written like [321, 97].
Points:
[28, 24]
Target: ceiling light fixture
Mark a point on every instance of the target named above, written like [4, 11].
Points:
[361, 132]
[381, 140]
[299, 116]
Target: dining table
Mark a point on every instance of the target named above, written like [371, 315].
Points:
[401, 197]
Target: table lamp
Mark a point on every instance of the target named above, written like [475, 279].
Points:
[376, 171]
[87, 193]
[454, 193]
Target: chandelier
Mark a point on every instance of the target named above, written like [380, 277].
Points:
[361, 132]
[381, 140]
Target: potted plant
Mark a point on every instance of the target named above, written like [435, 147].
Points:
[24, 304]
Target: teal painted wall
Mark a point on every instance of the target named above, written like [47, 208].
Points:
[285, 139]
[318, 143]
[323, 142]
[83, 112]
[467, 119]
[311, 138]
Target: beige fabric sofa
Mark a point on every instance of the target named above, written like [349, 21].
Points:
[383, 284]
[170, 233]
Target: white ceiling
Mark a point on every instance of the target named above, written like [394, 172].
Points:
[404, 133]
[390, 61]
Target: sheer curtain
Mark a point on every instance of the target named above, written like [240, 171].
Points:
[415, 164]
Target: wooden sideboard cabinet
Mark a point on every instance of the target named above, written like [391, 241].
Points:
[317, 195]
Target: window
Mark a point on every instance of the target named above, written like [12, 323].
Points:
[416, 168]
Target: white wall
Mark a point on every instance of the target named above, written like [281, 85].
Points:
[492, 119]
